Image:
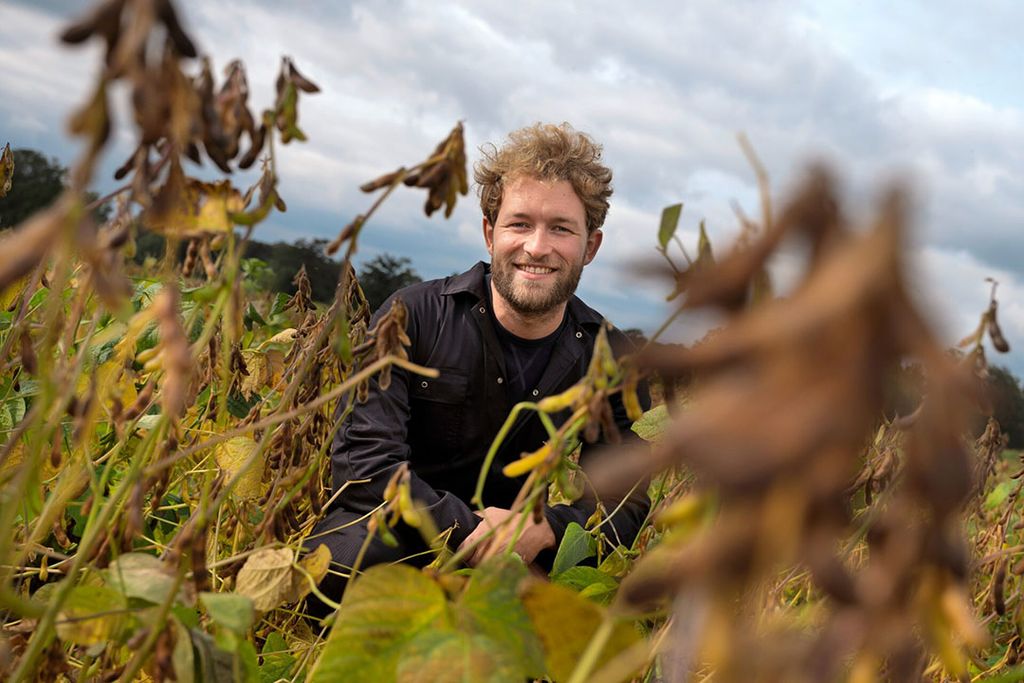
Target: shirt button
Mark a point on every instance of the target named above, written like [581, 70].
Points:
[579, 335]
[483, 310]
[423, 384]
[535, 392]
[500, 380]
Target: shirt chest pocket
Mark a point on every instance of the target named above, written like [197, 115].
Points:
[437, 407]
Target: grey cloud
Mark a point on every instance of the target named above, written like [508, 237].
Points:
[664, 87]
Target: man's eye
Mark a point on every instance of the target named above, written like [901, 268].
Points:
[562, 228]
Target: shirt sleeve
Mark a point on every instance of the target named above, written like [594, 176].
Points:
[372, 443]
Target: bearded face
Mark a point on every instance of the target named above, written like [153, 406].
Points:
[539, 244]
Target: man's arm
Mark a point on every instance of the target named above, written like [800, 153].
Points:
[372, 443]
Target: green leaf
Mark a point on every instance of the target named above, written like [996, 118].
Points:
[381, 612]
[998, 495]
[253, 317]
[277, 659]
[589, 582]
[617, 563]
[229, 610]
[669, 223]
[246, 667]
[490, 606]
[278, 307]
[138, 575]
[183, 657]
[566, 622]
[652, 423]
[705, 257]
[239, 406]
[6, 422]
[577, 545]
[148, 421]
[214, 665]
[454, 657]
[16, 406]
[91, 615]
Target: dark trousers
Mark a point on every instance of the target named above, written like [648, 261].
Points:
[343, 532]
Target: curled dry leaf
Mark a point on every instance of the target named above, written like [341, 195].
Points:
[190, 208]
[6, 169]
[286, 114]
[443, 174]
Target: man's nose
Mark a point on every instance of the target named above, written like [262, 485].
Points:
[538, 244]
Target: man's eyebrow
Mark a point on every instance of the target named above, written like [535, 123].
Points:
[554, 219]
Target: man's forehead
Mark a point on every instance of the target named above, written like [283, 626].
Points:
[556, 198]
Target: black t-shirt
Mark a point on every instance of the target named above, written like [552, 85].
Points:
[525, 359]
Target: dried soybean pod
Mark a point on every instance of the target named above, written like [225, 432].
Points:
[999, 587]
[996, 335]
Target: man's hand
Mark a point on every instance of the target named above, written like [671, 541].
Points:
[535, 537]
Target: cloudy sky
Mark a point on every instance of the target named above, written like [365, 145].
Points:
[930, 92]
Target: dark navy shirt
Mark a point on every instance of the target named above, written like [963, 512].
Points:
[525, 359]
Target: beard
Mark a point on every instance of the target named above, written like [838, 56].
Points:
[530, 298]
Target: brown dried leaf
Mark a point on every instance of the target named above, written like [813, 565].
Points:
[6, 169]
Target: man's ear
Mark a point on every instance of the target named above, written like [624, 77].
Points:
[593, 244]
[488, 236]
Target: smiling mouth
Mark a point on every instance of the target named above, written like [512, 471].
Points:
[535, 270]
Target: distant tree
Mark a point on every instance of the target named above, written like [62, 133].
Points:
[1007, 403]
[280, 263]
[384, 275]
[37, 182]
[284, 261]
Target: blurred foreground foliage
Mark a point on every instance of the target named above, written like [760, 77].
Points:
[164, 434]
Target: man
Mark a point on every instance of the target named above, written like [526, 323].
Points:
[500, 334]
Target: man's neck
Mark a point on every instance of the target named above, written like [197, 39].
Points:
[525, 326]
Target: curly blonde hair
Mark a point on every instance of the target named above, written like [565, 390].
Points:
[546, 152]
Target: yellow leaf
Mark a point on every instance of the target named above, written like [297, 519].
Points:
[275, 366]
[283, 337]
[266, 578]
[220, 200]
[186, 208]
[113, 381]
[13, 459]
[91, 615]
[10, 293]
[259, 372]
[232, 456]
[565, 623]
[316, 565]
